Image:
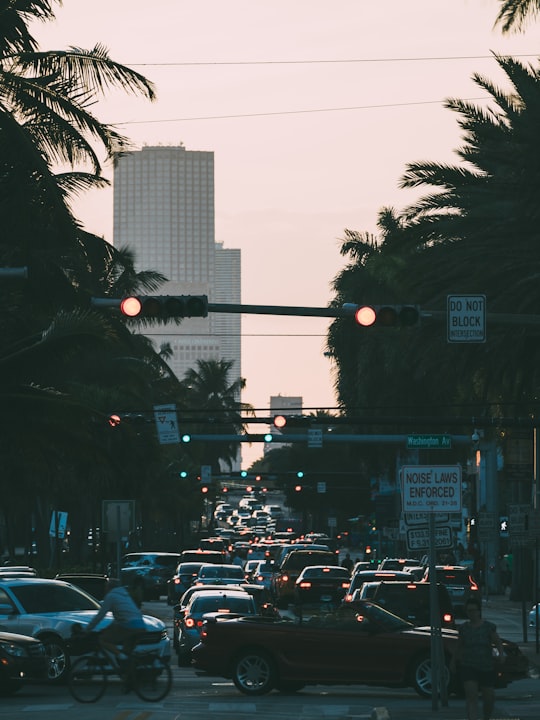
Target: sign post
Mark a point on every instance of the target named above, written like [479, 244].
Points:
[432, 489]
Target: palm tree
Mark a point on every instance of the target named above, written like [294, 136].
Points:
[212, 397]
[514, 13]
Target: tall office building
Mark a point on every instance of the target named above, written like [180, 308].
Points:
[164, 212]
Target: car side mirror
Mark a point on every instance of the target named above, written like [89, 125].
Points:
[7, 609]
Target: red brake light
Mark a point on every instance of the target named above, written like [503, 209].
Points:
[345, 585]
[305, 584]
[189, 622]
[177, 581]
[447, 618]
[284, 578]
[474, 586]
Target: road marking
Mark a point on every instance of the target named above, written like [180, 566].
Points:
[233, 707]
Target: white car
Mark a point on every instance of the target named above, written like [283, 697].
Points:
[532, 616]
[49, 609]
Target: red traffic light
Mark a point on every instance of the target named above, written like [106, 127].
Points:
[387, 315]
[280, 421]
[165, 306]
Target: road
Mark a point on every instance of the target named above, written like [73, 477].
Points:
[198, 698]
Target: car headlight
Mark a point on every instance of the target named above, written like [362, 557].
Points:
[13, 650]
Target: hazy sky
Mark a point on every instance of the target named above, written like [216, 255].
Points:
[312, 109]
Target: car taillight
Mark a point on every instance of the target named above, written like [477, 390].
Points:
[305, 584]
[474, 586]
[447, 618]
[345, 585]
[177, 581]
[284, 578]
[189, 622]
[260, 578]
[347, 598]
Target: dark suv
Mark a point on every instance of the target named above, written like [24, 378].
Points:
[155, 568]
[459, 583]
[410, 601]
[285, 578]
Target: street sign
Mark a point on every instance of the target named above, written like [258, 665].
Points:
[487, 526]
[429, 442]
[418, 518]
[57, 528]
[418, 537]
[315, 439]
[466, 318]
[426, 488]
[321, 487]
[166, 424]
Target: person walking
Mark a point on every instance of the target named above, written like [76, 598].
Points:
[474, 653]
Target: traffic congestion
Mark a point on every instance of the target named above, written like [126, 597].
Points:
[264, 609]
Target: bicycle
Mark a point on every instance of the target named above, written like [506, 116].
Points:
[144, 671]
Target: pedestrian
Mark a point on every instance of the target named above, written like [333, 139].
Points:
[474, 652]
[347, 562]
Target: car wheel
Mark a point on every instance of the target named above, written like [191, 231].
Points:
[421, 676]
[254, 673]
[58, 658]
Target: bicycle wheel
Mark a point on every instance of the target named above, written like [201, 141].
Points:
[87, 679]
[151, 678]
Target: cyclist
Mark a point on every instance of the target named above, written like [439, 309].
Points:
[124, 602]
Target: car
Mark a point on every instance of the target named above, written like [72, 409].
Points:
[533, 613]
[49, 610]
[155, 568]
[363, 576]
[17, 571]
[263, 573]
[224, 602]
[21, 658]
[181, 580]
[202, 556]
[360, 645]
[284, 578]
[321, 584]
[96, 584]
[398, 563]
[459, 582]
[216, 574]
[408, 600]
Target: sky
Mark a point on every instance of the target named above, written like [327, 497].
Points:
[313, 108]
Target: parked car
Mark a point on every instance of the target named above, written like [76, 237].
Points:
[21, 658]
[216, 574]
[181, 580]
[321, 584]
[361, 645]
[459, 583]
[155, 568]
[49, 609]
[95, 584]
[223, 602]
[284, 579]
[408, 600]
[363, 576]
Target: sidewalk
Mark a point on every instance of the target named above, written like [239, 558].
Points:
[501, 603]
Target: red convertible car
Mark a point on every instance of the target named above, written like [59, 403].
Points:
[359, 644]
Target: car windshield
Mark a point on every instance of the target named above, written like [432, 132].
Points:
[451, 577]
[222, 572]
[222, 603]
[44, 598]
[327, 572]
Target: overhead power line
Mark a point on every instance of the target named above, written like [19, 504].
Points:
[324, 61]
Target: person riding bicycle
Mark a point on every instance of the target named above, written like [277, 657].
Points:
[124, 602]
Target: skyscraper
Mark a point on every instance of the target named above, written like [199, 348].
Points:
[164, 211]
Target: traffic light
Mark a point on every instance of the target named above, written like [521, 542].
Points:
[285, 422]
[387, 315]
[164, 307]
